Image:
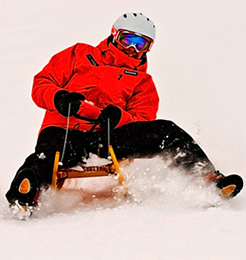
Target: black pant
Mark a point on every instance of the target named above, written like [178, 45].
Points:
[135, 140]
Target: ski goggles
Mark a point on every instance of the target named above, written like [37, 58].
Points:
[129, 39]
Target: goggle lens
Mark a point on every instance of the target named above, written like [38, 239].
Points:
[128, 39]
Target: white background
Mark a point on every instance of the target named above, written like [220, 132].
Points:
[198, 64]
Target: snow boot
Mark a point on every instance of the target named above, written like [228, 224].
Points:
[229, 186]
[23, 194]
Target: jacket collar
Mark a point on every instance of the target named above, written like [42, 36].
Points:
[113, 56]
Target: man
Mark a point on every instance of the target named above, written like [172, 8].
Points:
[85, 83]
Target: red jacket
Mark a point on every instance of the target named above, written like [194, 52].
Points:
[104, 75]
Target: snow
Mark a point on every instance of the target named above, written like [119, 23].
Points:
[198, 64]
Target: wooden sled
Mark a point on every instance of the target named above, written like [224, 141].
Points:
[60, 174]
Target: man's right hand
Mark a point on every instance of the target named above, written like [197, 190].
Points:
[62, 100]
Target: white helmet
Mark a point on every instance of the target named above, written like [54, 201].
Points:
[136, 22]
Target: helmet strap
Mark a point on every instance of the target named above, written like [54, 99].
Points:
[112, 40]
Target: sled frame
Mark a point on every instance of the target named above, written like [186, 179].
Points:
[60, 174]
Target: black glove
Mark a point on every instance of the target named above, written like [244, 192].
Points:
[62, 100]
[112, 112]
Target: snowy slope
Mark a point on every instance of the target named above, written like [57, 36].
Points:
[198, 64]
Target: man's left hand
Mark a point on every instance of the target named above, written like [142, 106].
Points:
[111, 112]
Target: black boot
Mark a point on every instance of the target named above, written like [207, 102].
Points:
[229, 186]
[23, 193]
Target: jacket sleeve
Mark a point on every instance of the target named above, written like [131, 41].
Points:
[54, 76]
[143, 104]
